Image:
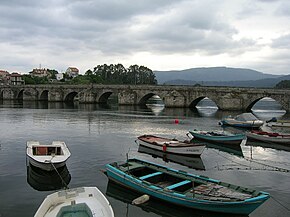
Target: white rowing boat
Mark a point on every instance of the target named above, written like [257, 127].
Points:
[83, 201]
[47, 157]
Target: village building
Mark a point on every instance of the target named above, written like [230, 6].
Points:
[16, 79]
[40, 73]
[72, 72]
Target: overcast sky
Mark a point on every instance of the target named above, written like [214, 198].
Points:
[159, 34]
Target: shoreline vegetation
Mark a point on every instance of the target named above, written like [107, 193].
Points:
[101, 74]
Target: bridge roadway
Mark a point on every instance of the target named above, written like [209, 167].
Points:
[226, 98]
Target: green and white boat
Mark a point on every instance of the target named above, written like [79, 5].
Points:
[83, 201]
[184, 189]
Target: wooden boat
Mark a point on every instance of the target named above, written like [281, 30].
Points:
[83, 201]
[223, 137]
[47, 157]
[269, 137]
[170, 145]
[184, 189]
[244, 120]
[194, 162]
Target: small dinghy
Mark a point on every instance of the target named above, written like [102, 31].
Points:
[47, 157]
[185, 189]
[223, 137]
[83, 201]
[244, 120]
[170, 145]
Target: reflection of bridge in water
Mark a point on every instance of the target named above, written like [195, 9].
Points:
[226, 98]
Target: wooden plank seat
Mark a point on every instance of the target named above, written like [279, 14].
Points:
[150, 175]
[176, 185]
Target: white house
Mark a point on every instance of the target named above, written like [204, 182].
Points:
[72, 72]
[59, 76]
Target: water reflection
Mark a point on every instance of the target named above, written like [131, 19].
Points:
[158, 207]
[189, 161]
[206, 107]
[156, 108]
[275, 146]
[228, 148]
[42, 180]
[268, 108]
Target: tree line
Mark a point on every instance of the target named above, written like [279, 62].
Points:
[102, 74]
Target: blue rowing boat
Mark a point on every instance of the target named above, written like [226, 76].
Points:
[184, 189]
[222, 137]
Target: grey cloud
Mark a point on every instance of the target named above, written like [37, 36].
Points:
[282, 42]
[105, 25]
[284, 9]
[115, 10]
[119, 27]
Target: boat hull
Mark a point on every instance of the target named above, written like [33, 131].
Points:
[48, 166]
[224, 139]
[194, 162]
[184, 149]
[238, 207]
[264, 138]
[242, 124]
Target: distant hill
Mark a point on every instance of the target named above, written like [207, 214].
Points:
[219, 76]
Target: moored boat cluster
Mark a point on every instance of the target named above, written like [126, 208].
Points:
[153, 180]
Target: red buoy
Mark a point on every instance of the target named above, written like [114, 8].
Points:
[164, 147]
[176, 121]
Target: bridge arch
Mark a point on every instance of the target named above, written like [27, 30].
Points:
[44, 95]
[196, 101]
[265, 99]
[70, 97]
[20, 95]
[250, 106]
[145, 98]
[104, 97]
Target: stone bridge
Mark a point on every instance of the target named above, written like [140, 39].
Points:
[226, 98]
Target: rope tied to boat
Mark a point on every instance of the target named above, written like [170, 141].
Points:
[274, 168]
[277, 201]
[63, 182]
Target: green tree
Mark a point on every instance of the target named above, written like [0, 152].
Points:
[283, 84]
[28, 79]
[52, 73]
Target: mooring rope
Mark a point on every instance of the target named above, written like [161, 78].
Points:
[277, 201]
[253, 161]
[275, 168]
[66, 186]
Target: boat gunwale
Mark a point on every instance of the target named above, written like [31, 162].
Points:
[181, 197]
[230, 137]
[180, 144]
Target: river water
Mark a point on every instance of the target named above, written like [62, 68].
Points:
[97, 135]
